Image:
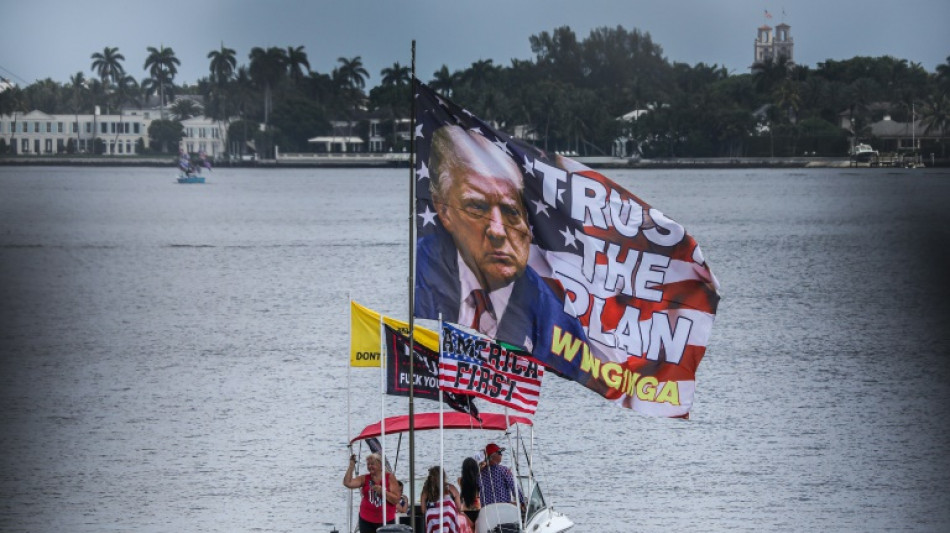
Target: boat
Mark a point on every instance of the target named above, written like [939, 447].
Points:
[189, 170]
[190, 178]
[539, 516]
[863, 153]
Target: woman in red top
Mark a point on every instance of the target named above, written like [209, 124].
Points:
[373, 489]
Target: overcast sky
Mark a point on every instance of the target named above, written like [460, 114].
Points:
[54, 38]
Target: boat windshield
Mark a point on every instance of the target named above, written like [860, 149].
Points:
[535, 499]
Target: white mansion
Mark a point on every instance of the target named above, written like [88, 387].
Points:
[124, 134]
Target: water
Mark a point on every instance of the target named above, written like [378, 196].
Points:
[174, 356]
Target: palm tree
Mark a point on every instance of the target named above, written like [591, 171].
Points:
[162, 65]
[128, 91]
[296, 61]
[936, 117]
[108, 64]
[396, 75]
[352, 76]
[184, 109]
[223, 64]
[481, 73]
[352, 72]
[78, 84]
[443, 81]
[222, 67]
[267, 68]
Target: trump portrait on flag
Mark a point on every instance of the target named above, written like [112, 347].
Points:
[473, 269]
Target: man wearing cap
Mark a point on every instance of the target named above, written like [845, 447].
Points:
[496, 484]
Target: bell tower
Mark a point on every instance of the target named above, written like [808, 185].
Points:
[771, 45]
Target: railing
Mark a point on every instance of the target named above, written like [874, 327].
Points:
[344, 156]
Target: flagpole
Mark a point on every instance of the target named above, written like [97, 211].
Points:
[441, 436]
[412, 286]
[349, 364]
[382, 420]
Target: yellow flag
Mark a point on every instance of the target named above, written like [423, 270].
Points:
[364, 335]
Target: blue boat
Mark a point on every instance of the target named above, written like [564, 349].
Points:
[190, 178]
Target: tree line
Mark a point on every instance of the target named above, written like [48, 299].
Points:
[568, 97]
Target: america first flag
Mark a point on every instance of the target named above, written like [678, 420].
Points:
[614, 294]
[474, 365]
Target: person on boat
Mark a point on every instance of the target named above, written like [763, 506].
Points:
[470, 504]
[402, 506]
[473, 268]
[374, 486]
[440, 499]
[496, 484]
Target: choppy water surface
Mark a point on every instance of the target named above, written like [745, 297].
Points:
[174, 356]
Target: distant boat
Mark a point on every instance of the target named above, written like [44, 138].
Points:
[190, 178]
[189, 171]
[863, 153]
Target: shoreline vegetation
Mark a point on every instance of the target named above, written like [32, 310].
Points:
[402, 160]
[611, 93]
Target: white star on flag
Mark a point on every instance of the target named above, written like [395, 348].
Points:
[422, 172]
[528, 166]
[428, 217]
[569, 239]
[419, 131]
[540, 207]
[503, 145]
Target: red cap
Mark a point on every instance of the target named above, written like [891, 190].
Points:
[492, 448]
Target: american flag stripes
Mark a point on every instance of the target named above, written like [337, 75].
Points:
[474, 365]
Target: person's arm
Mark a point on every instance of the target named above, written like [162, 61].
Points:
[349, 481]
[455, 495]
[392, 489]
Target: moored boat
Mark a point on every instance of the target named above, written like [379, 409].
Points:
[190, 178]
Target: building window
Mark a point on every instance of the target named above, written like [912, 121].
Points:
[103, 127]
[25, 146]
[36, 127]
[128, 147]
[75, 127]
[88, 127]
[135, 128]
[23, 127]
[49, 145]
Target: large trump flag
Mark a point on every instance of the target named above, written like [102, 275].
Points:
[540, 252]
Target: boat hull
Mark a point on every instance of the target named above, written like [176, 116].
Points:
[190, 179]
